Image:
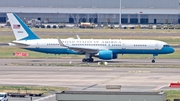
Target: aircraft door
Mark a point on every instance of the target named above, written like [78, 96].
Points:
[37, 45]
[123, 46]
[157, 46]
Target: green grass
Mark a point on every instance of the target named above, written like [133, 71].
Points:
[169, 39]
[7, 52]
[99, 30]
[106, 30]
[7, 38]
[31, 89]
[173, 94]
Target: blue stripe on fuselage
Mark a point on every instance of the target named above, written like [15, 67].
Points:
[165, 50]
[53, 50]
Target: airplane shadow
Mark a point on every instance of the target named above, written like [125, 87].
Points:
[106, 61]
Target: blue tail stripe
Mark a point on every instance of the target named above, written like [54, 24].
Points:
[31, 35]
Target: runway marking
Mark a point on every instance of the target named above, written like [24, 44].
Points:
[139, 71]
[123, 75]
[104, 69]
[103, 82]
[114, 78]
[66, 69]
[159, 87]
[90, 86]
[41, 99]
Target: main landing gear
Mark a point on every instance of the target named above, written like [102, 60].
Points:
[154, 57]
[88, 58]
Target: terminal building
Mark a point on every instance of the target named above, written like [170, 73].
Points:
[95, 11]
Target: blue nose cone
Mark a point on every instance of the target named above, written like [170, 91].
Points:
[171, 50]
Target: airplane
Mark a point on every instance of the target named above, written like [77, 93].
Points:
[105, 49]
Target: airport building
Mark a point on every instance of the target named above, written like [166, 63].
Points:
[109, 96]
[96, 11]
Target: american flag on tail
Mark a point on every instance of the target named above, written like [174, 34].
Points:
[16, 26]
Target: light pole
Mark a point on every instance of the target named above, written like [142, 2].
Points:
[120, 24]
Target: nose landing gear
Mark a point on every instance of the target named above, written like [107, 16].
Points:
[154, 57]
[153, 61]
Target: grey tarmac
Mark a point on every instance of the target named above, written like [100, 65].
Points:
[88, 78]
[145, 61]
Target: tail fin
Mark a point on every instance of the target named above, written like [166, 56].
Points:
[20, 30]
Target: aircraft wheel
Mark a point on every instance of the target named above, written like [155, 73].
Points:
[84, 60]
[88, 60]
[91, 60]
[153, 61]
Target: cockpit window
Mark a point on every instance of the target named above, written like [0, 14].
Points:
[1, 95]
[166, 46]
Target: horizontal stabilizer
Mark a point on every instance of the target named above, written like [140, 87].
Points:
[19, 44]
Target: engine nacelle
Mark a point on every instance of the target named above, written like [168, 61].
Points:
[105, 55]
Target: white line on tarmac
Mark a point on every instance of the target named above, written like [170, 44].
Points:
[66, 69]
[43, 98]
[159, 87]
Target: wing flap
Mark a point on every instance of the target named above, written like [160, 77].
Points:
[82, 50]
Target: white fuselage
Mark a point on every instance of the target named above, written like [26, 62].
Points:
[100, 44]
[94, 43]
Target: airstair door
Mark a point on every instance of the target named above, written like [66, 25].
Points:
[123, 46]
[157, 47]
[37, 45]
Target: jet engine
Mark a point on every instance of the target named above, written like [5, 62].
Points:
[107, 55]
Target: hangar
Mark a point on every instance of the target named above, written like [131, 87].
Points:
[97, 11]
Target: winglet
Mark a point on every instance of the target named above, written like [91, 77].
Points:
[61, 43]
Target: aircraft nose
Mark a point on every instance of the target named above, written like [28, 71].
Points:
[171, 50]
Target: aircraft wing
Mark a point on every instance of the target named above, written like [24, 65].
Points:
[82, 50]
[79, 49]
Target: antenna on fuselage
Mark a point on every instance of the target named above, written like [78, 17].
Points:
[78, 37]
